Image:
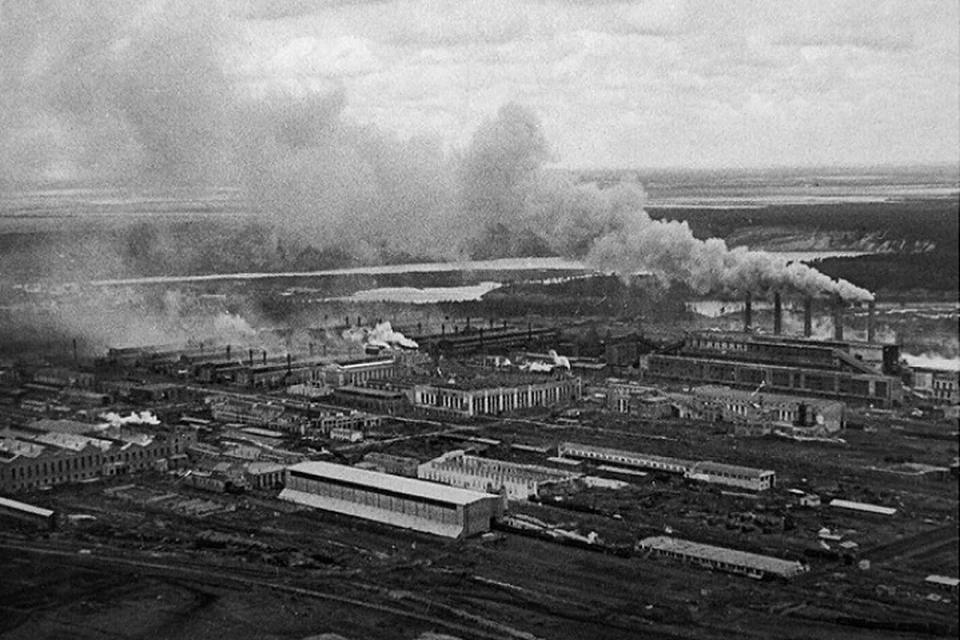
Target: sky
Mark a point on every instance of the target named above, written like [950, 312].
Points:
[92, 86]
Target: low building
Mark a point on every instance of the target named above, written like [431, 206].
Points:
[722, 559]
[625, 458]
[345, 434]
[811, 415]
[942, 386]
[264, 475]
[732, 476]
[397, 465]
[642, 401]
[389, 401]
[516, 481]
[392, 500]
[701, 471]
[30, 460]
[862, 507]
[486, 397]
[353, 373]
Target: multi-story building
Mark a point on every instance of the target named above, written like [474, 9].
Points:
[392, 500]
[517, 481]
[485, 397]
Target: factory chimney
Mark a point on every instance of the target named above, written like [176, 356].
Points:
[871, 330]
[264, 356]
[289, 364]
[807, 317]
[228, 352]
[251, 357]
[777, 314]
[838, 319]
[74, 351]
[748, 313]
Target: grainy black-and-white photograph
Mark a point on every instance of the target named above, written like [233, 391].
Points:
[479, 319]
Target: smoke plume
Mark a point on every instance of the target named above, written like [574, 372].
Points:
[125, 95]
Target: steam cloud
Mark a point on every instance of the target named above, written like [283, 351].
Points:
[382, 335]
[112, 93]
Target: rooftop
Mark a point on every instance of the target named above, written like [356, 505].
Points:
[23, 506]
[863, 506]
[718, 467]
[722, 554]
[388, 482]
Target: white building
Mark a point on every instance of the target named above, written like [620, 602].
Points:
[517, 481]
[389, 499]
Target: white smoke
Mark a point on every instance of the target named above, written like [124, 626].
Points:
[932, 361]
[559, 361]
[382, 335]
[111, 92]
[116, 420]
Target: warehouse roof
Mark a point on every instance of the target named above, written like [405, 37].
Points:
[24, 507]
[389, 482]
[735, 557]
[715, 468]
[863, 506]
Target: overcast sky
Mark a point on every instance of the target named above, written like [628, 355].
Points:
[643, 84]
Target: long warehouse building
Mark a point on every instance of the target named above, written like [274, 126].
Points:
[401, 502]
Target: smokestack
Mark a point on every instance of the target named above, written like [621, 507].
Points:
[264, 356]
[871, 330]
[443, 329]
[807, 317]
[74, 351]
[289, 364]
[251, 357]
[838, 319]
[228, 352]
[748, 313]
[777, 314]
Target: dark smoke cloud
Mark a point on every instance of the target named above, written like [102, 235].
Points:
[140, 95]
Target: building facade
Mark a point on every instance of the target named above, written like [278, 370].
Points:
[30, 461]
[468, 401]
[392, 500]
[812, 415]
[516, 481]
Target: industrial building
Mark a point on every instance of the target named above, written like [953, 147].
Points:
[474, 339]
[33, 459]
[862, 373]
[355, 373]
[387, 463]
[624, 458]
[487, 397]
[731, 560]
[393, 500]
[941, 386]
[732, 475]
[642, 401]
[516, 481]
[812, 415]
[700, 471]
